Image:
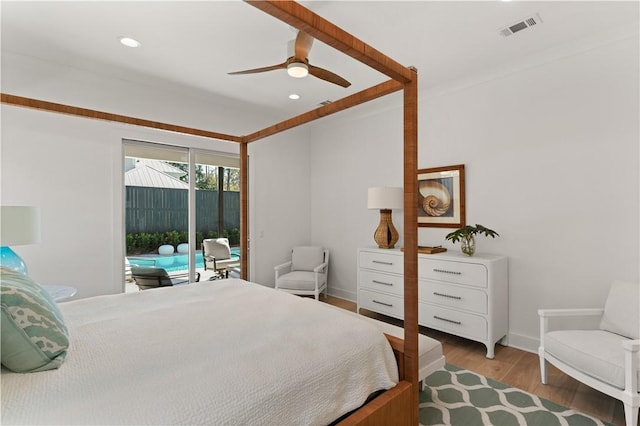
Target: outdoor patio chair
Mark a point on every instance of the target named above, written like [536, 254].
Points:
[148, 277]
[217, 256]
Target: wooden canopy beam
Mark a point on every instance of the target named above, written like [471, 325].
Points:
[107, 116]
[366, 95]
[319, 28]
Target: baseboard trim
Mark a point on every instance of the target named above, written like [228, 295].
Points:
[343, 294]
[525, 343]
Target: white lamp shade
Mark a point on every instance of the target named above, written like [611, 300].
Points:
[19, 225]
[385, 197]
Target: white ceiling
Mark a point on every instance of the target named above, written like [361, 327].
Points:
[195, 44]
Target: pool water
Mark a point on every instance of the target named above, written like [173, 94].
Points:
[172, 262]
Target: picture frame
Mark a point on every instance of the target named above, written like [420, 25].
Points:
[441, 197]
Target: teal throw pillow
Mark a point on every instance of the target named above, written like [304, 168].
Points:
[33, 334]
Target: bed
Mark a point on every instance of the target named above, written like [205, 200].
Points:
[229, 352]
[398, 405]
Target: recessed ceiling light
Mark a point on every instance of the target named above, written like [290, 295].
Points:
[294, 96]
[129, 42]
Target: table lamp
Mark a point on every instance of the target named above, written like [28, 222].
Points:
[385, 199]
[20, 225]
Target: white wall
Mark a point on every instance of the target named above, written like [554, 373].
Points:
[279, 201]
[551, 159]
[356, 150]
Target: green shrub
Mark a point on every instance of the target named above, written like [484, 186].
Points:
[144, 242]
[234, 236]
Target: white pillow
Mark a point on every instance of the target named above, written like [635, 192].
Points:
[622, 310]
[306, 258]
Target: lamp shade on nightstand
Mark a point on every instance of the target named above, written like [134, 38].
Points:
[20, 225]
[385, 199]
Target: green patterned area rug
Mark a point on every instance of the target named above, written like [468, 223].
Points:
[460, 397]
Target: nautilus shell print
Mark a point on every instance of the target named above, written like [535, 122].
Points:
[437, 198]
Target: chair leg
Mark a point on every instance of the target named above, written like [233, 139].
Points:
[631, 415]
[543, 366]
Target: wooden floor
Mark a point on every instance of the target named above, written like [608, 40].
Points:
[516, 368]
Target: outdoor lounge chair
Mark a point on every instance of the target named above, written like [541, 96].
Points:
[147, 277]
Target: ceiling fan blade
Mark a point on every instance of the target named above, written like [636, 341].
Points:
[303, 45]
[263, 69]
[327, 75]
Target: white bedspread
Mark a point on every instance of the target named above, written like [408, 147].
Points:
[217, 353]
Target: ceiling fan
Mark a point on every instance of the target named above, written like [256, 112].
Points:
[297, 64]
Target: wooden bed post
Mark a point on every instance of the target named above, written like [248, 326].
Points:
[244, 209]
[411, 239]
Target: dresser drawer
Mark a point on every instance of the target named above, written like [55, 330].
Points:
[454, 272]
[462, 298]
[383, 303]
[448, 320]
[382, 282]
[382, 262]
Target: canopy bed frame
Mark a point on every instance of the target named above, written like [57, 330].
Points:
[398, 405]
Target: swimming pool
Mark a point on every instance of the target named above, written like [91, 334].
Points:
[172, 262]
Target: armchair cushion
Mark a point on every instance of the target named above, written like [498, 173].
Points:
[597, 353]
[300, 280]
[621, 314]
[306, 258]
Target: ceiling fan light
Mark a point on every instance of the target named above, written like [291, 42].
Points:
[297, 69]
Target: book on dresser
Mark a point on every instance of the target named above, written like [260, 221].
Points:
[467, 296]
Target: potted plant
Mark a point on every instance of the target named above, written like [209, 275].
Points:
[466, 236]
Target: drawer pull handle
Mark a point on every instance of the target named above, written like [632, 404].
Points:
[447, 295]
[445, 319]
[381, 262]
[444, 271]
[381, 282]
[382, 303]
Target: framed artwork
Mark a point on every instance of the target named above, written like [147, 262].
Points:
[441, 197]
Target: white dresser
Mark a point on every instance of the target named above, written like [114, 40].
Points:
[461, 295]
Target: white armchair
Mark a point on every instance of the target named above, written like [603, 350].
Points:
[306, 272]
[606, 358]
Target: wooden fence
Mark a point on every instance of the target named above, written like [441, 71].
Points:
[162, 209]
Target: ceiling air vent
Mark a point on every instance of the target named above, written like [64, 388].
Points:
[323, 103]
[521, 25]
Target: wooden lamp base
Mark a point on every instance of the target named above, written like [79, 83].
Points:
[386, 235]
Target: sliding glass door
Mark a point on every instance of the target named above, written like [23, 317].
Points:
[174, 198]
